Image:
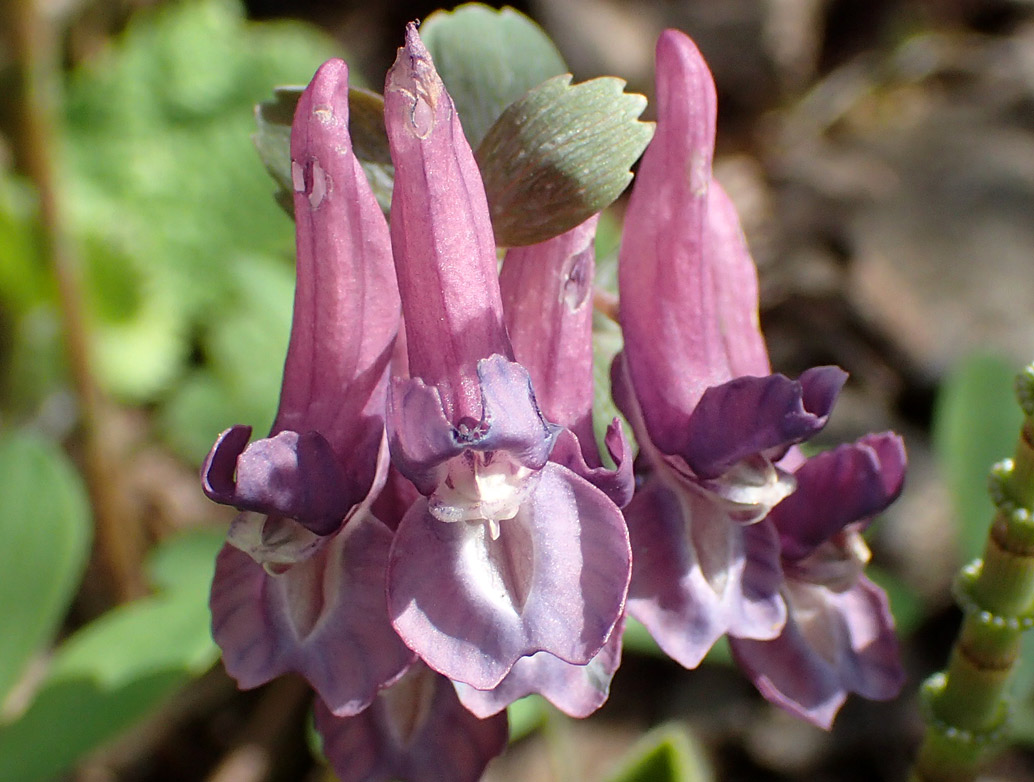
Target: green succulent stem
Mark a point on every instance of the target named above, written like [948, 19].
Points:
[966, 706]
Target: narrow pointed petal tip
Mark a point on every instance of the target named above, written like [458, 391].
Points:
[441, 234]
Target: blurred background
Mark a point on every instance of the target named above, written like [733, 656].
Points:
[881, 154]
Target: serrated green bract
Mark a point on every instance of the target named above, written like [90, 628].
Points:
[976, 420]
[487, 59]
[116, 670]
[45, 526]
[667, 754]
[560, 154]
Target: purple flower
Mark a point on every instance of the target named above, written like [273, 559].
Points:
[506, 554]
[297, 588]
[839, 637]
[416, 729]
[714, 425]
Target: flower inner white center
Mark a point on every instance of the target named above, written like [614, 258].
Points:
[481, 486]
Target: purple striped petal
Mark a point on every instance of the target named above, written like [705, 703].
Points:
[697, 575]
[758, 415]
[324, 617]
[415, 731]
[666, 283]
[836, 488]
[577, 690]
[553, 580]
[833, 644]
[441, 236]
[547, 301]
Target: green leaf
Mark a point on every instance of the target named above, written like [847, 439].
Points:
[667, 754]
[45, 528]
[116, 670]
[526, 716]
[976, 423]
[560, 154]
[487, 60]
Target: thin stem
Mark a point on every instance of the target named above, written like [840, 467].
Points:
[118, 535]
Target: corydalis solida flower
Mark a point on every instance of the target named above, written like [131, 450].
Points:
[299, 587]
[716, 427]
[506, 554]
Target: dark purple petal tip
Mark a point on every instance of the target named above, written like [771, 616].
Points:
[758, 415]
[848, 484]
[289, 474]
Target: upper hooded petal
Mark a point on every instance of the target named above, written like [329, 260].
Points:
[577, 690]
[554, 580]
[666, 283]
[441, 235]
[346, 307]
[697, 575]
[758, 415]
[838, 487]
[547, 300]
[415, 731]
[324, 617]
[860, 655]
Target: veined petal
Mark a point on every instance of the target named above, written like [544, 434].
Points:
[835, 488]
[422, 439]
[441, 235]
[840, 643]
[758, 415]
[577, 690]
[292, 475]
[346, 308]
[667, 283]
[547, 301]
[697, 575]
[324, 617]
[415, 731]
[554, 579]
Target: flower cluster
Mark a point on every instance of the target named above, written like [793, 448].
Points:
[428, 533]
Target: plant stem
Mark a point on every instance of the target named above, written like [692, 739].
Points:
[118, 535]
[967, 705]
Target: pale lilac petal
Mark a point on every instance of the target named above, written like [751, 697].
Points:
[619, 483]
[422, 439]
[415, 731]
[758, 415]
[835, 488]
[292, 475]
[862, 657]
[346, 307]
[325, 618]
[441, 235]
[577, 690]
[547, 301]
[697, 575]
[554, 580]
[669, 304]
[736, 282]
